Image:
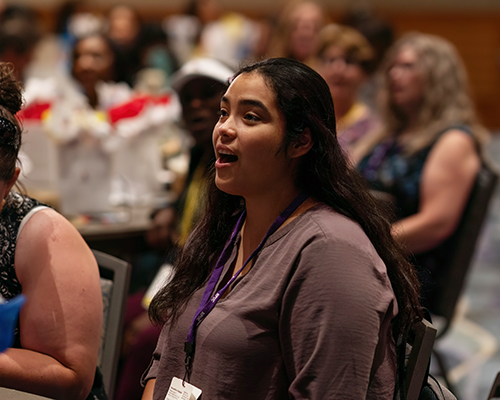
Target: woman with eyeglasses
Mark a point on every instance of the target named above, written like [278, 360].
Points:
[344, 59]
[297, 29]
[425, 159]
[43, 257]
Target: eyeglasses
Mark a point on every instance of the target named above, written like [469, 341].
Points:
[403, 67]
[344, 60]
[9, 134]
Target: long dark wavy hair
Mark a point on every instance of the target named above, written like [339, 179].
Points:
[324, 173]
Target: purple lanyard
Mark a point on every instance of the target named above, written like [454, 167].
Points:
[208, 301]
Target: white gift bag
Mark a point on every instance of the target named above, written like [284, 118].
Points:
[39, 169]
[85, 176]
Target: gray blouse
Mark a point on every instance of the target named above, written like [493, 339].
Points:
[310, 320]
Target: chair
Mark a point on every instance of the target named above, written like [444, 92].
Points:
[423, 335]
[495, 389]
[115, 280]
[453, 274]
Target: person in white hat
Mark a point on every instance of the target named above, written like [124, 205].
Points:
[200, 84]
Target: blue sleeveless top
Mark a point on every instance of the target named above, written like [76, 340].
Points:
[390, 171]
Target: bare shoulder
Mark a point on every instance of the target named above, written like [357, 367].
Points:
[48, 237]
[454, 160]
[456, 140]
[47, 221]
[455, 149]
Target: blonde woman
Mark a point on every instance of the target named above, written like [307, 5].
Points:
[426, 158]
[297, 31]
[344, 60]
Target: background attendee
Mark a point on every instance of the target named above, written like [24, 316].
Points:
[380, 35]
[137, 45]
[297, 30]
[231, 37]
[93, 63]
[19, 34]
[44, 258]
[199, 84]
[344, 60]
[77, 121]
[183, 31]
[207, 29]
[428, 154]
[311, 313]
[124, 31]
[378, 32]
[73, 19]
[108, 135]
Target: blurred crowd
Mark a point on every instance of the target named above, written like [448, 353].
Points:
[119, 111]
[100, 111]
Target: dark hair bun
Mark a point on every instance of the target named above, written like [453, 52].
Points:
[10, 89]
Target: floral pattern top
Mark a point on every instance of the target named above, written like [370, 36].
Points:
[389, 170]
[397, 176]
[15, 209]
[358, 122]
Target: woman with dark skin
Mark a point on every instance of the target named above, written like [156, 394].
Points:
[315, 310]
[93, 61]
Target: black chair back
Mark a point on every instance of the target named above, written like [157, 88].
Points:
[452, 277]
[115, 281]
[453, 274]
[423, 335]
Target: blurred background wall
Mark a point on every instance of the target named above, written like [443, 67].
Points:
[266, 4]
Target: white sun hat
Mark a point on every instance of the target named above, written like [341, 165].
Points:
[201, 68]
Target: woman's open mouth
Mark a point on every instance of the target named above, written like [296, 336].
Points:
[227, 158]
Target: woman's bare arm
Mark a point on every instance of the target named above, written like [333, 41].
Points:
[61, 320]
[447, 180]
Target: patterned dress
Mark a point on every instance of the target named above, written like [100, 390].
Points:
[358, 122]
[15, 209]
[398, 175]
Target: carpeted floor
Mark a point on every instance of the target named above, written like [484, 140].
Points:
[472, 347]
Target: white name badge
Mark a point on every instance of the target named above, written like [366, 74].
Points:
[180, 390]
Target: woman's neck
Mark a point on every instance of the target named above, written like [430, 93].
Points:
[257, 223]
[261, 215]
[261, 212]
[92, 98]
